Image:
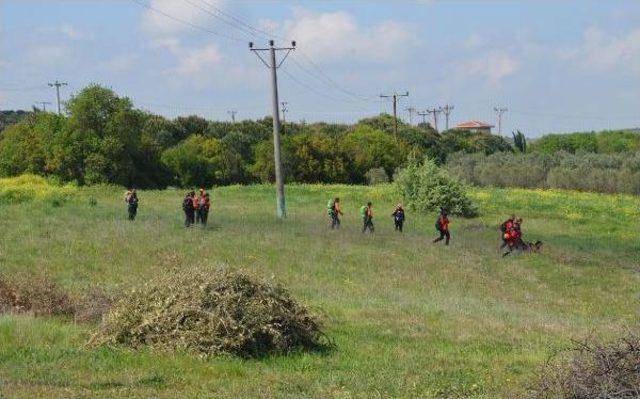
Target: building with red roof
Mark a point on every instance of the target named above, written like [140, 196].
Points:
[475, 127]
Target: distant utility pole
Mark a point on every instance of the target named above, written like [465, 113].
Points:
[499, 111]
[434, 111]
[423, 114]
[395, 96]
[44, 105]
[233, 113]
[57, 85]
[273, 65]
[411, 110]
[284, 115]
[447, 111]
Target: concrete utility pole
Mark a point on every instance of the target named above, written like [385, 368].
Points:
[395, 96]
[447, 111]
[233, 115]
[44, 105]
[273, 66]
[423, 114]
[284, 116]
[434, 111]
[499, 111]
[411, 110]
[57, 85]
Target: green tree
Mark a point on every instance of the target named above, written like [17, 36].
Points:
[367, 148]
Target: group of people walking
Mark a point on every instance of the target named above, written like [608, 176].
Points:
[334, 211]
[196, 208]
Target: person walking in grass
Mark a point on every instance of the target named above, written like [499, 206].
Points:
[442, 226]
[366, 211]
[131, 198]
[506, 228]
[334, 212]
[199, 202]
[189, 209]
[398, 217]
[203, 208]
[196, 206]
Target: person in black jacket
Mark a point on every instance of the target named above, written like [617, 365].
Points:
[189, 209]
[132, 204]
[398, 217]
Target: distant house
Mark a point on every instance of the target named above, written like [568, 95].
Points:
[475, 127]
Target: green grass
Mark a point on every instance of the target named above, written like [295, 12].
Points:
[409, 318]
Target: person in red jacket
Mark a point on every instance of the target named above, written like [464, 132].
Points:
[442, 226]
[506, 228]
[204, 204]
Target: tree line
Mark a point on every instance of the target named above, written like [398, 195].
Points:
[103, 138]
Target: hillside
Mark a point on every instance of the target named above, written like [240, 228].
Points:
[408, 318]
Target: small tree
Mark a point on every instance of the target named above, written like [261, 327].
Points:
[425, 187]
[519, 141]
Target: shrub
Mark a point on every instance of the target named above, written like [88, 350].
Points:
[217, 312]
[25, 188]
[36, 295]
[593, 370]
[426, 187]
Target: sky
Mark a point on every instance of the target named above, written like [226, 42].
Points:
[557, 66]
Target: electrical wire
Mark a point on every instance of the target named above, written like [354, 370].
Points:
[184, 22]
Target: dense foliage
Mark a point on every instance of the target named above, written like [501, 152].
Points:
[607, 173]
[606, 142]
[426, 187]
[104, 139]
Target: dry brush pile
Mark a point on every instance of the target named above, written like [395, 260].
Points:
[594, 371]
[211, 313]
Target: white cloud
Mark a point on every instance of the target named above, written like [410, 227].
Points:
[491, 66]
[122, 63]
[332, 36]
[71, 32]
[157, 24]
[601, 51]
[50, 55]
[199, 60]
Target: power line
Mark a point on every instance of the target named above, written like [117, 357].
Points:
[219, 18]
[499, 111]
[273, 65]
[233, 115]
[57, 85]
[395, 96]
[447, 111]
[434, 111]
[43, 104]
[242, 22]
[182, 21]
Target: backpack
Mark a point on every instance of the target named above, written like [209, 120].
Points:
[438, 226]
[363, 210]
[331, 206]
[187, 203]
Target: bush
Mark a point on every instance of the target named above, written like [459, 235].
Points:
[594, 370]
[14, 190]
[210, 313]
[426, 187]
[36, 295]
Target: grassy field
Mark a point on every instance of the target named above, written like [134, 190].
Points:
[410, 319]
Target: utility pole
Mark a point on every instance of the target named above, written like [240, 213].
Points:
[423, 114]
[499, 111]
[44, 105]
[273, 65]
[395, 96]
[447, 111]
[284, 116]
[411, 110]
[233, 115]
[434, 111]
[57, 85]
